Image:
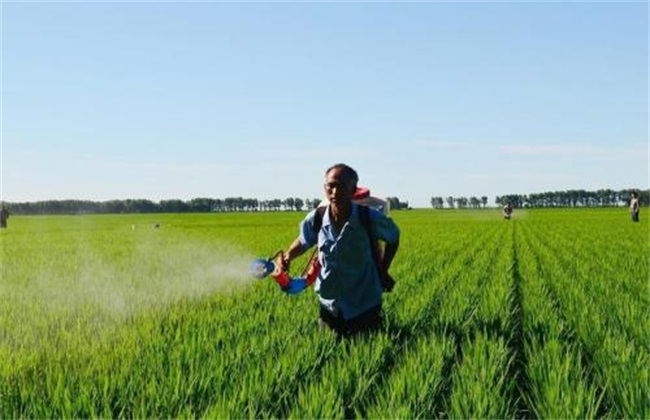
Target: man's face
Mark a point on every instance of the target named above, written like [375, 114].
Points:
[339, 189]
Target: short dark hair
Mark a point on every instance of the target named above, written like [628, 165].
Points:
[350, 173]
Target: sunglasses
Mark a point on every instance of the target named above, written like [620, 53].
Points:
[333, 185]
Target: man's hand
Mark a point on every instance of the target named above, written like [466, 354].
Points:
[285, 262]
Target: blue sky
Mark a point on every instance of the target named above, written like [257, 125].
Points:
[162, 100]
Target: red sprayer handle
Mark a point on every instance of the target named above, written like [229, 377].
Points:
[280, 276]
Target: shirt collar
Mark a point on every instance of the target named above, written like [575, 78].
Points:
[353, 215]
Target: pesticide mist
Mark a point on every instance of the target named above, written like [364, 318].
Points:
[80, 281]
[156, 274]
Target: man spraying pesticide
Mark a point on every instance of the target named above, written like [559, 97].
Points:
[276, 267]
[350, 271]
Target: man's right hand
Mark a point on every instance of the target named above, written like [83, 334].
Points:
[285, 263]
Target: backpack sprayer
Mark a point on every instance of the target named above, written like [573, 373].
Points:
[262, 268]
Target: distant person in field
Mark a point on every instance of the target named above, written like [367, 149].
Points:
[634, 206]
[4, 216]
[353, 275]
[507, 211]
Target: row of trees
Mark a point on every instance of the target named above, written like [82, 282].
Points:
[575, 198]
[568, 198]
[196, 205]
[395, 204]
[459, 202]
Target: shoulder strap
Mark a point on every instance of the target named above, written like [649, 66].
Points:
[364, 217]
[318, 219]
[318, 223]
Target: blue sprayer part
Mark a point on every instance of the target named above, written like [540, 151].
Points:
[262, 268]
[296, 285]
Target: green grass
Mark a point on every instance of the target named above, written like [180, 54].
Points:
[546, 315]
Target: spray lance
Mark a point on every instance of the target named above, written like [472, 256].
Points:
[262, 268]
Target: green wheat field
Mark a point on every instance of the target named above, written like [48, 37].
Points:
[543, 316]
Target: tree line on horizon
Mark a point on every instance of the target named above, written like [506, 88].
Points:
[195, 205]
[569, 198]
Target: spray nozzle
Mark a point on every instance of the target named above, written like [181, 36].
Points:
[261, 268]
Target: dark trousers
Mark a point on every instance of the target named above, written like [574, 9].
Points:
[368, 321]
[635, 216]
